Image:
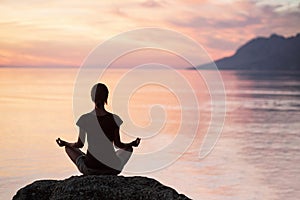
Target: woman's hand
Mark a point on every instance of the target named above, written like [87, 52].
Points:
[136, 142]
[60, 142]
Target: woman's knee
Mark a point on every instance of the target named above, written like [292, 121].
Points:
[72, 149]
[67, 149]
[71, 152]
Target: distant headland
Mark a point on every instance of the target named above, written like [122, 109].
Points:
[273, 53]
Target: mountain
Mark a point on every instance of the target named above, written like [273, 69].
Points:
[273, 53]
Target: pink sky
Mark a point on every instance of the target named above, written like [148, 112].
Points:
[62, 33]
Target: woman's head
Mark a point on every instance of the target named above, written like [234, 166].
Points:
[99, 94]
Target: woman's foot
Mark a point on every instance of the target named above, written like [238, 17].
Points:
[60, 142]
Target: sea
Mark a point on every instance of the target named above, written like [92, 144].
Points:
[252, 119]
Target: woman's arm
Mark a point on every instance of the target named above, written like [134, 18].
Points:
[122, 145]
[81, 139]
[78, 144]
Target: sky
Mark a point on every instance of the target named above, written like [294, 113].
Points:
[62, 33]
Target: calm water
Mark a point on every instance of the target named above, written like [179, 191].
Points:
[256, 157]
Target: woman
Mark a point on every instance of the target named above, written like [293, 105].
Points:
[102, 131]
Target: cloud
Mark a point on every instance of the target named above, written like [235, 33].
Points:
[202, 22]
[244, 22]
[43, 52]
[223, 28]
[235, 15]
[280, 5]
[151, 4]
[65, 32]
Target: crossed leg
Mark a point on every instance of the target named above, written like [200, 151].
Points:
[73, 153]
[124, 155]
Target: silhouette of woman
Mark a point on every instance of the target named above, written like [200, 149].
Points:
[101, 128]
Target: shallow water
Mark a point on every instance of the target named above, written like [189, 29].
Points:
[256, 157]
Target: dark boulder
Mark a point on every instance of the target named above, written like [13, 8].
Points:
[98, 187]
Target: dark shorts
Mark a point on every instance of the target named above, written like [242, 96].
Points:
[88, 171]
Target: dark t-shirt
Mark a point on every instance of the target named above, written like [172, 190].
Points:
[100, 131]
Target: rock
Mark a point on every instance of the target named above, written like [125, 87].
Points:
[98, 187]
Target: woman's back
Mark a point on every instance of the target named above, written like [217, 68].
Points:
[100, 135]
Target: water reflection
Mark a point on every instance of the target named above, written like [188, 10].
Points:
[268, 122]
[256, 157]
